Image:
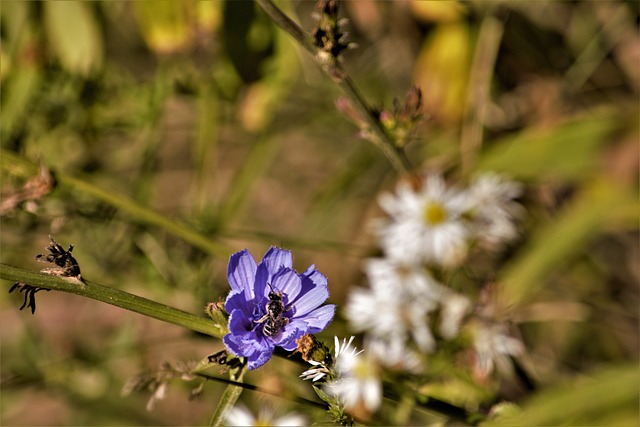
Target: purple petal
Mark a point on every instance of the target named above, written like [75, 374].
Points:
[292, 344]
[236, 301]
[240, 323]
[235, 346]
[290, 333]
[319, 318]
[263, 276]
[277, 258]
[310, 300]
[259, 358]
[238, 346]
[316, 277]
[231, 345]
[288, 282]
[241, 273]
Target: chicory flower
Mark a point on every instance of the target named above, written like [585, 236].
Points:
[271, 304]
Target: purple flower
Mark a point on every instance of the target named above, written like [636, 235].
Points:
[271, 304]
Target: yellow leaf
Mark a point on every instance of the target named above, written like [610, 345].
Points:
[437, 10]
[166, 25]
[74, 35]
[442, 71]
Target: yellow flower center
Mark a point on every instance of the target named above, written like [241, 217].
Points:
[364, 370]
[434, 213]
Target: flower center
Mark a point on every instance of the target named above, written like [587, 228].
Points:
[434, 213]
[364, 370]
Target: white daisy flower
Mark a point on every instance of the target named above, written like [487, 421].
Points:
[492, 208]
[315, 374]
[321, 369]
[424, 225]
[394, 354]
[345, 348]
[391, 315]
[241, 416]
[392, 276]
[358, 381]
[494, 346]
[454, 308]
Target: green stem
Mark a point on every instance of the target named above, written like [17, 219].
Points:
[284, 22]
[12, 163]
[228, 400]
[379, 137]
[478, 94]
[115, 297]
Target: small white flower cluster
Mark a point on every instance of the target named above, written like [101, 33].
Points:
[357, 378]
[429, 228]
[397, 305]
[353, 377]
[436, 224]
[494, 347]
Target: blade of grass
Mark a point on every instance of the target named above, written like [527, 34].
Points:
[566, 151]
[598, 208]
[608, 397]
[262, 154]
[12, 163]
[484, 60]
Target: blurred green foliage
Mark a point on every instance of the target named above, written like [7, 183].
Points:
[181, 131]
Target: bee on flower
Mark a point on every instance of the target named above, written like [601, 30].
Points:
[271, 304]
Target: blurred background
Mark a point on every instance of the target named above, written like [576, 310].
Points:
[119, 119]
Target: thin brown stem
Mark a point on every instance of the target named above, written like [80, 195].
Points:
[379, 136]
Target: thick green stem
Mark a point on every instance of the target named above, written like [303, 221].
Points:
[227, 401]
[114, 297]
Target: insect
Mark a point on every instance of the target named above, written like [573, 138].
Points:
[66, 264]
[273, 320]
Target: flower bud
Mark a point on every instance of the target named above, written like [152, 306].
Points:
[312, 349]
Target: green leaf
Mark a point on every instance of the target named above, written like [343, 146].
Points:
[557, 243]
[610, 397]
[263, 153]
[74, 35]
[568, 151]
[17, 93]
[20, 76]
